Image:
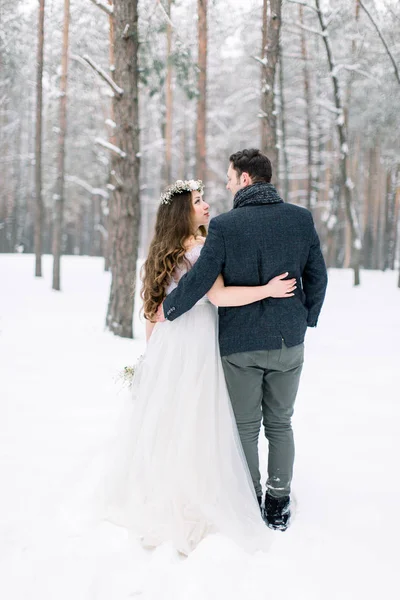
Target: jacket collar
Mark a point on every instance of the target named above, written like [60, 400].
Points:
[256, 194]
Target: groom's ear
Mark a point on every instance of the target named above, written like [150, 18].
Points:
[245, 179]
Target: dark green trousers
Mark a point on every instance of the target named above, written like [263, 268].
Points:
[263, 385]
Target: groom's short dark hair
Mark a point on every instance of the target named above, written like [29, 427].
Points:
[253, 162]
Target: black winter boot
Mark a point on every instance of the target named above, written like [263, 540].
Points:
[259, 498]
[277, 512]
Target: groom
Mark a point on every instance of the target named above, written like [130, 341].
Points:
[262, 343]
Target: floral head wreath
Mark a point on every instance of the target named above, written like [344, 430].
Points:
[179, 187]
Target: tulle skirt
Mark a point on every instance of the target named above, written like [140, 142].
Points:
[179, 472]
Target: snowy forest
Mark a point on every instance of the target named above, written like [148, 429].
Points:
[103, 104]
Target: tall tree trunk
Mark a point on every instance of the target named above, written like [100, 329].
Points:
[370, 195]
[379, 213]
[271, 57]
[59, 190]
[283, 145]
[396, 221]
[168, 101]
[264, 41]
[201, 148]
[307, 97]
[108, 220]
[346, 182]
[388, 219]
[19, 210]
[125, 213]
[318, 186]
[38, 144]
[183, 163]
[354, 60]
[346, 108]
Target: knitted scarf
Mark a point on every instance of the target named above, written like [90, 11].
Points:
[256, 194]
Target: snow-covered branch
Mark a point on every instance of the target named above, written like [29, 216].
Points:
[78, 59]
[85, 185]
[119, 91]
[99, 227]
[352, 68]
[395, 67]
[165, 14]
[329, 106]
[262, 61]
[111, 147]
[104, 6]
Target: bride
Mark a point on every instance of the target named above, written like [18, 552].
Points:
[185, 472]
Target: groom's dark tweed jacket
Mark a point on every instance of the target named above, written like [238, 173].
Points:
[261, 237]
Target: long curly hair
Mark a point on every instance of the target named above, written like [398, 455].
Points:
[174, 225]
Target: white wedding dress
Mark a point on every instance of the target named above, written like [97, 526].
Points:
[179, 471]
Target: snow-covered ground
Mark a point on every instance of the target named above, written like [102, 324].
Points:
[59, 403]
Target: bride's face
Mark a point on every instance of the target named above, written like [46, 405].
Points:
[201, 210]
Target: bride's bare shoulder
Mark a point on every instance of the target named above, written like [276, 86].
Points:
[200, 240]
[193, 241]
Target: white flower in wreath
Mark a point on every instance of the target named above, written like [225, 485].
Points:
[181, 186]
[193, 185]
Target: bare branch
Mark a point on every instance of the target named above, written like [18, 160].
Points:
[396, 70]
[104, 6]
[111, 147]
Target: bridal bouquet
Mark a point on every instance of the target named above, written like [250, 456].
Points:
[126, 376]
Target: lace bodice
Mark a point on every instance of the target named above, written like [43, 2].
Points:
[192, 255]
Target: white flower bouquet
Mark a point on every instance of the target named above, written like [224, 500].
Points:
[127, 375]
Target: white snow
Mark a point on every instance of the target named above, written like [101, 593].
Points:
[331, 222]
[59, 404]
[340, 119]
